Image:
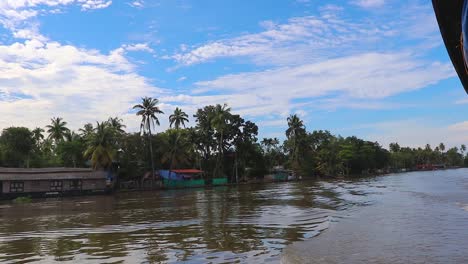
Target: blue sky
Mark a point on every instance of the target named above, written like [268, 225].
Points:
[372, 68]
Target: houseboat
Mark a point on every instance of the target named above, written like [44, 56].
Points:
[187, 178]
[45, 182]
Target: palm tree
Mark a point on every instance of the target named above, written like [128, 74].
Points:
[295, 130]
[463, 149]
[86, 131]
[219, 120]
[101, 147]
[175, 148]
[57, 129]
[37, 135]
[148, 110]
[71, 136]
[179, 117]
[117, 124]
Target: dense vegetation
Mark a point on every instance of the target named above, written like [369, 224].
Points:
[220, 143]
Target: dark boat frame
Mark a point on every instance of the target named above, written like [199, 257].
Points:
[449, 17]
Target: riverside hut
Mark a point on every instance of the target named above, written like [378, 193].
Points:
[37, 182]
[186, 178]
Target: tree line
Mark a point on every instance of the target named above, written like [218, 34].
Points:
[220, 143]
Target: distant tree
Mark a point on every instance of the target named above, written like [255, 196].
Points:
[38, 135]
[71, 150]
[17, 144]
[148, 110]
[57, 129]
[394, 147]
[117, 124]
[219, 121]
[295, 132]
[178, 118]
[441, 147]
[86, 130]
[100, 146]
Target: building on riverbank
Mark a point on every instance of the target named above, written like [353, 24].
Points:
[43, 182]
[187, 178]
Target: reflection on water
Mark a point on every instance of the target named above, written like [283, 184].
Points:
[227, 224]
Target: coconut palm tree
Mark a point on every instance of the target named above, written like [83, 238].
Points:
[101, 149]
[37, 135]
[57, 129]
[219, 121]
[86, 131]
[117, 124]
[295, 130]
[295, 126]
[175, 148]
[148, 109]
[178, 118]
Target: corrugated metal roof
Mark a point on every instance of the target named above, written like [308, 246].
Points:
[9, 174]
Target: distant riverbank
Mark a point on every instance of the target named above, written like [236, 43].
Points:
[418, 217]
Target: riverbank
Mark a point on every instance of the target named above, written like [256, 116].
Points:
[420, 217]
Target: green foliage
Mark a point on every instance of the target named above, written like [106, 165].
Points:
[22, 200]
[57, 129]
[178, 118]
[101, 146]
[220, 143]
[16, 144]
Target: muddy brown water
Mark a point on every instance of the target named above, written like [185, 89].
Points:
[244, 224]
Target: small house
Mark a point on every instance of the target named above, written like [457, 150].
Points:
[37, 182]
[187, 178]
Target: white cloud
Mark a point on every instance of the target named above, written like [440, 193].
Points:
[138, 47]
[181, 79]
[329, 35]
[16, 15]
[371, 75]
[42, 80]
[137, 4]
[369, 3]
[300, 39]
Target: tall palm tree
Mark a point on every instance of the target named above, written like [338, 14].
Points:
[295, 130]
[148, 109]
[57, 129]
[295, 126]
[219, 121]
[117, 124]
[101, 147]
[178, 118]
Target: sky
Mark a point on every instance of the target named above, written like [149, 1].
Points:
[376, 69]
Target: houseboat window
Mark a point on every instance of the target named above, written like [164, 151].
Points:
[16, 186]
[75, 184]
[56, 185]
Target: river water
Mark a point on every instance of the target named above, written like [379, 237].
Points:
[248, 223]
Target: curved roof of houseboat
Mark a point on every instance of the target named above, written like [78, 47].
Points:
[449, 17]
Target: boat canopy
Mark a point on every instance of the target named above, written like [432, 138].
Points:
[453, 23]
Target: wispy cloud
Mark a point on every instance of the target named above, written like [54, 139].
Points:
[317, 38]
[369, 3]
[137, 4]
